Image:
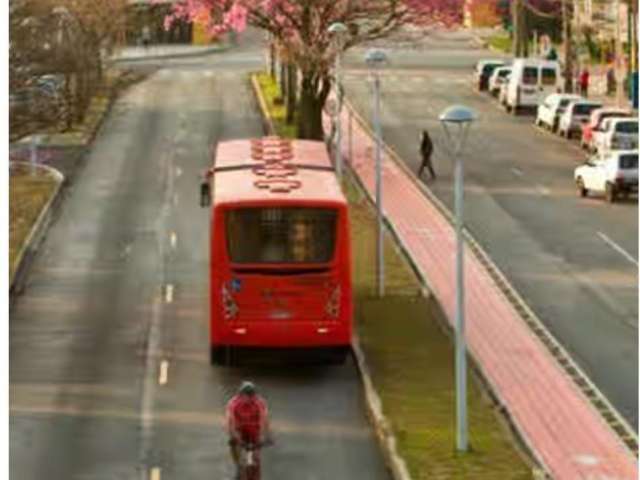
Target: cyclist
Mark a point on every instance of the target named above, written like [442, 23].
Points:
[247, 420]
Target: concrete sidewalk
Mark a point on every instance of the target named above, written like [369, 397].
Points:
[127, 54]
[565, 432]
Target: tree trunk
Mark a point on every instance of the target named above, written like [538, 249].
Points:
[568, 53]
[283, 79]
[313, 94]
[292, 84]
[633, 32]
[517, 12]
[272, 60]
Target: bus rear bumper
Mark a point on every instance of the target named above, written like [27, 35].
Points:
[283, 335]
[234, 355]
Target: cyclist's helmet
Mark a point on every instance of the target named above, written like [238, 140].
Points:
[247, 388]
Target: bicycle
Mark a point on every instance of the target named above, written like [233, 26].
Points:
[249, 464]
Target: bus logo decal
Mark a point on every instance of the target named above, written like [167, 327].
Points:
[236, 285]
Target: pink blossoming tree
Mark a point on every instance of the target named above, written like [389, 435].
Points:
[300, 27]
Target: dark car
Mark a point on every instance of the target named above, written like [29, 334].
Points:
[484, 69]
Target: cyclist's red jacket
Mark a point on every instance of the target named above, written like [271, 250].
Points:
[247, 417]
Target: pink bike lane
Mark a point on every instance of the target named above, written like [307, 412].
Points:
[568, 436]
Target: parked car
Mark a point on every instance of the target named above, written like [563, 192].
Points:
[484, 69]
[497, 78]
[531, 81]
[596, 119]
[575, 115]
[612, 173]
[552, 107]
[616, 133]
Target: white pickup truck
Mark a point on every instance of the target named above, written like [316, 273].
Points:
[611, 173]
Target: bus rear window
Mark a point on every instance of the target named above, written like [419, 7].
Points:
[281, 235]
[548, 76]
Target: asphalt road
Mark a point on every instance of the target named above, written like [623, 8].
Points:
[109, 374]
[573, 260]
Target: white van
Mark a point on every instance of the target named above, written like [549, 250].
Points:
[531, 81]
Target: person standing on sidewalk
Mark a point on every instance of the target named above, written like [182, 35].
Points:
[426, 150]
[584, 82]
[146, 36]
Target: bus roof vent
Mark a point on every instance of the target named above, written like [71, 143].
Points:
[271, 149]
[278, 185]
[272, 156]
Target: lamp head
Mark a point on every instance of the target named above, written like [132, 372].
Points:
[456, 121]
[458, 114]
[338, 28]
[375, 58]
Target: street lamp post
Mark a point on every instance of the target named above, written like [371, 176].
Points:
[456, 121]
[375, 59]
[339, 31]
[619, 58]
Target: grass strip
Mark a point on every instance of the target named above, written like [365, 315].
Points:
[411, 359]
[501, 42]
[28, 194]
[275, 106]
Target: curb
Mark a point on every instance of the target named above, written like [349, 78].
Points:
[164, 56]
[36, 235]
[373, 404]
[383, 430]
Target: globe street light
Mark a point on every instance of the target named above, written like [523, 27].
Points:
[339, 32]
[456, 121]
[375, 59]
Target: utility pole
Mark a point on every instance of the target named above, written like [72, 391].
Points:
[619, 54]
[516, 14]
[633, 39]
[568, 53]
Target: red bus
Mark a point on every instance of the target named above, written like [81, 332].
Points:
[280, 255]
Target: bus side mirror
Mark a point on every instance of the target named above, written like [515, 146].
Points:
[205, 194]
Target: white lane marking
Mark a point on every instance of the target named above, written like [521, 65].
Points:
[148, 391]
[168, 294]
[126, 252]
[618, 248]
[173, 239]
[178, 171]
[155, 473]
[517, 172]
[543, 190]
[164, 372]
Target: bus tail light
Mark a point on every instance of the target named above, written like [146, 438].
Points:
[228, 304]
[333, 304]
